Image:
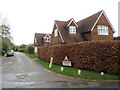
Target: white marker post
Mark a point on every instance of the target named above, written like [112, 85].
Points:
[62, 69]
[102, 73]
[79, 71]
[51, 60]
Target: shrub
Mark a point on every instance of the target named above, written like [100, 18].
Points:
[31, 50]
[90, 55]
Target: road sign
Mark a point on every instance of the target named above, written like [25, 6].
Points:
[66, 62]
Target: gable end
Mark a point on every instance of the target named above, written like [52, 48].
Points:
[73, 22]
[102, 13]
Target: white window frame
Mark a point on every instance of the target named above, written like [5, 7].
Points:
[35, 49]
[72, 29]
[55, 32]
[102, 30]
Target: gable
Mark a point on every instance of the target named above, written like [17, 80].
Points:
[103, 21]
[72, 22]
[47, 35]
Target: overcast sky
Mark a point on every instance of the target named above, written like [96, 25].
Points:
[26, 17]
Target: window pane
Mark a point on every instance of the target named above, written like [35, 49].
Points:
[72, 29]
[102, 30]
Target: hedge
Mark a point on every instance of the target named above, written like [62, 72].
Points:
[90, 55]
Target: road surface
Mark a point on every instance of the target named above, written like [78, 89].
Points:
[20, 71]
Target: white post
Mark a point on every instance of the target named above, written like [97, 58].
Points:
[62, 69]
[79, 71]
[51, 60]
[102, 73]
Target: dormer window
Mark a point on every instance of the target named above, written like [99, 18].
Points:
[72, 29]
[47, 39]
[102, 30]
[55, 32]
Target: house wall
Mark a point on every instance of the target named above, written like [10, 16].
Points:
[102, 21]
[46, 43]
[56, 40]
[36, 53]
[87, 36]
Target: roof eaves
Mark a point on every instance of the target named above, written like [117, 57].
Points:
[109, 21]
[59, 31]
[97, 20]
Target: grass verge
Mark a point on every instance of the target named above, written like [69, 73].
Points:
[70, 71]
[31, 55]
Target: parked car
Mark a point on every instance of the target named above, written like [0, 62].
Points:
[10, 53]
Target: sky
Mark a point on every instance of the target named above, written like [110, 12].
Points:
[27, 17]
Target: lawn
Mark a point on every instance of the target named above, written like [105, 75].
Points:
[31, 55]
[70, 71]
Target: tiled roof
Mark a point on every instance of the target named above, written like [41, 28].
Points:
[84, 25]
[62, 25]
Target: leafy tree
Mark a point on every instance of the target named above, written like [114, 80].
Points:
[5, 39]
[22, 46]
[15, 48]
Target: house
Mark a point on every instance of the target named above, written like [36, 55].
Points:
[95, 27]
[117, 38]
[41, 39]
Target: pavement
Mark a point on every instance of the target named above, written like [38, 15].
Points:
[20, 71]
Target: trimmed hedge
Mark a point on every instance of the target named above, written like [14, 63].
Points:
[90, 55]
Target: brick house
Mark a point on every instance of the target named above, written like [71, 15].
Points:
[95, 27]
[40, 40]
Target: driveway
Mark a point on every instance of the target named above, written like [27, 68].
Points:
[20, 71]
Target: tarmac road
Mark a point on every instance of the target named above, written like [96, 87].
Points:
[20, 71]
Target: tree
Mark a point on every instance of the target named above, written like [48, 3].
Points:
[22, 46]
[15, 48]
[5, 39]
[5, 30]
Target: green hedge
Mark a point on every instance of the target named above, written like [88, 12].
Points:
[90, 55]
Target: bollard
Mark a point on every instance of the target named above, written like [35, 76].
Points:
[102, 73]
[51, 60]
[79, 71]
[62, 69]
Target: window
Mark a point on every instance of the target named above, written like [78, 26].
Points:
[47, 39]
[102, 30]
[35, 49]
[72, 29]
[55, 33]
